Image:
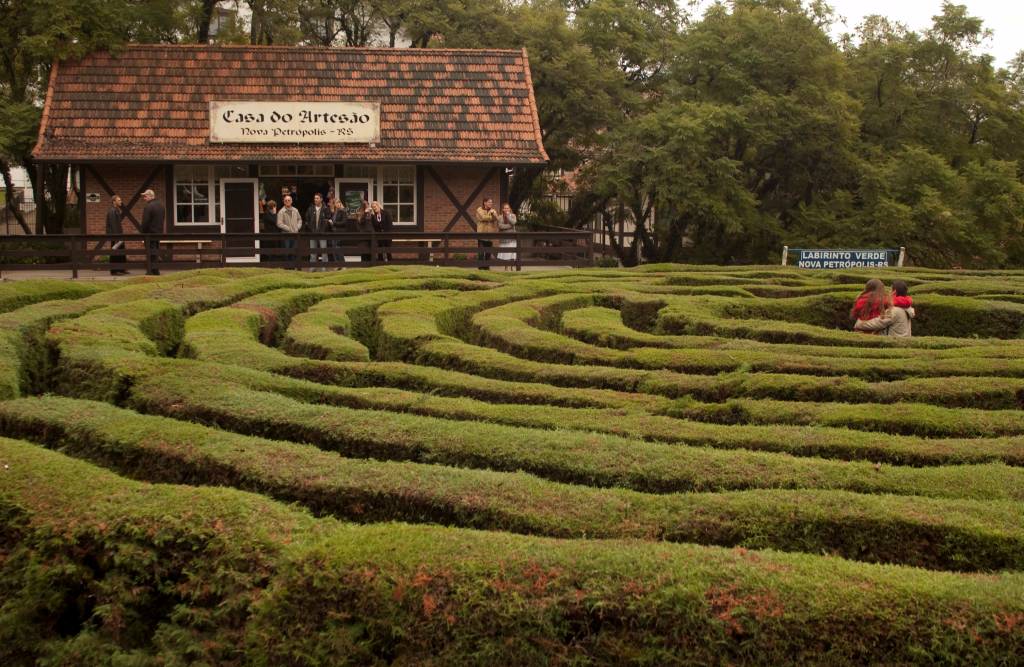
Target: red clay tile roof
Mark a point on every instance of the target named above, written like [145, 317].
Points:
[151, 103]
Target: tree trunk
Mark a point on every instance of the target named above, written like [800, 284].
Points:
[10, 204]
[206, 16]
[522, 185]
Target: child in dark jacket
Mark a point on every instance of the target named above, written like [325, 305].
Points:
[900, 297]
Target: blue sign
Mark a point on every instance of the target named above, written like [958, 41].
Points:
[842, 259]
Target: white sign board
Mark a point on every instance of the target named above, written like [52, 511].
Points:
[295, 122]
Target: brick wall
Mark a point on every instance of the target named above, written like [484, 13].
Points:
[124, 180]
[462, 181]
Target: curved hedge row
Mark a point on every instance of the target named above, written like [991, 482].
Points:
[271, 585]
[671, 411]
[961, 534]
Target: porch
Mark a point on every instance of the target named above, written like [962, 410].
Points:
[79, 253]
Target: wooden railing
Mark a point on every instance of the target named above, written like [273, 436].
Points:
[137, 252]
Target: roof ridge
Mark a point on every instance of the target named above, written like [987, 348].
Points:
[313, 47]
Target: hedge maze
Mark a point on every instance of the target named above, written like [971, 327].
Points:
[670, 465]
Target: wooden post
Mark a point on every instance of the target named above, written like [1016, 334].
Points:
[373, 248]
[81, 201]
[146, 241]
[903, 256]
[73, 242]
[785, 255]
[39, 196]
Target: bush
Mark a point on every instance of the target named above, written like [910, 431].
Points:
[666, 409]
[101, 569]
[966, 535]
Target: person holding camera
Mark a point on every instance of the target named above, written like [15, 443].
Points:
[486, 223]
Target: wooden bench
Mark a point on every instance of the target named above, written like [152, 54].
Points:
[197, 242]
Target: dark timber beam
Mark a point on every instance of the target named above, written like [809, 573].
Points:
[138, 195]
[461, 208]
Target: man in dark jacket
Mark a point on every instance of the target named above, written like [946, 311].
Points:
[382, 224]
[113, 228]
[152, 223]
[317, 221]
[268, 227]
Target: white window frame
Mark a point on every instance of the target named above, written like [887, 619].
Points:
[415, 193]
[209, 199]
[377, 188]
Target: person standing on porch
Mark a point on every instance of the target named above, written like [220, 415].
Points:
[268, 225]
[382, 224]
[364, 225]
[339, 223]
[318, 221]
[290, 222]
[114, 217]
[507, 225]
[486, 223]
[153, 215]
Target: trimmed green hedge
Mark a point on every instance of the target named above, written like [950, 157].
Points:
[621, 414]
[904, 418]
[948, 534]
[99, 569]
[517, 329]
[567, 456]
[24, 356]
[21, 293]
[605, 327]
[333, 329]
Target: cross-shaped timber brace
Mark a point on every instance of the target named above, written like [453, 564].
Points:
[138, 194]
[461, 208]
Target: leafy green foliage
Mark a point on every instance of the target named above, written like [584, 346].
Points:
[767, 134]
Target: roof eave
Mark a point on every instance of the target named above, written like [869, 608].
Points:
[533, 106]
[43, 121]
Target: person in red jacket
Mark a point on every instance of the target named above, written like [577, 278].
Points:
[871, 306]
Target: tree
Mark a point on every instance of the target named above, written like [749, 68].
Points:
[35, 33]
[767, 85]
[669, 160]
[323, 22]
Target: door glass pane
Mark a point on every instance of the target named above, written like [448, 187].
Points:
[184, 194]
[184, 214]
[405, 194]
[406, 214]
[353, 196]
